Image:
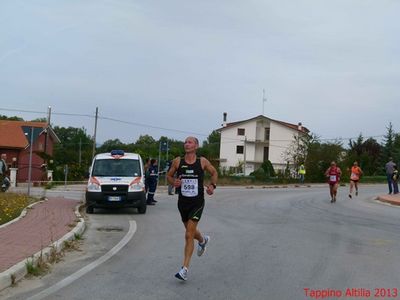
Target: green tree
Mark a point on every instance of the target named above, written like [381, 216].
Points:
[396, 146]
[40, 120]
[211, 147]
[367, 153]
[146, 146]
[388, 148]
[75, 150]
[319, 156]
[14, 118]
[297, 152]
[109, 145]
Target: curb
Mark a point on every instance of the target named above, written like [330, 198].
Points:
[19, 270]
[387, 200]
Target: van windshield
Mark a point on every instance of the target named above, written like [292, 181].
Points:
[116, 167]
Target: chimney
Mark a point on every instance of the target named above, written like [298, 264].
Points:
[224, 120]
[299, 127]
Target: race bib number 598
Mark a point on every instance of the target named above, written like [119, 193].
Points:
[189, 187]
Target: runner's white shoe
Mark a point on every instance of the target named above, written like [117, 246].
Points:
[182, 274]
[201, 248]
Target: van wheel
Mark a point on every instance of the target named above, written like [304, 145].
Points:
[142, 209]
[89, 209]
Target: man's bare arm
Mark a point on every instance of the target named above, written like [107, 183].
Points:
[207, 166]
[172, 170]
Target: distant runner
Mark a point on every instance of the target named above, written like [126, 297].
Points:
[355, 174]
[333, 174]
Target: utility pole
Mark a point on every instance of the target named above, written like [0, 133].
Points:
[95, 131]
[167, 150]
[166, 182]
[80, 151]
[244, 155]
[46, 141]
[158, 162]
[30, 163]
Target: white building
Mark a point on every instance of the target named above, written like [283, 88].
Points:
[247, 144]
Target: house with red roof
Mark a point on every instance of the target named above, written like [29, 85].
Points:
[16, 140]
[246, 144]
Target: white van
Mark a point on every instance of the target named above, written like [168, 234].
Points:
[116, 179]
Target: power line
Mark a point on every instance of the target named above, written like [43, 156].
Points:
[151, 126]
[171, 129]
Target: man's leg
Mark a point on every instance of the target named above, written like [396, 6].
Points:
[150, 193]
[395, 187]
[191, 234]
[351, 188]
[335, 188]
[356, 186]
[330, 192]
[389, 180]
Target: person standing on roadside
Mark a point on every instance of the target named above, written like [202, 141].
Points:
[189, 171]
[146, 175]
[395, 180]
[389, 173]
[355, 174]
[333, 174]
[3, 167]
[302, 173]
[153, 179]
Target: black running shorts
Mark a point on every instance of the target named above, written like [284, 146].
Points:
[190, 209]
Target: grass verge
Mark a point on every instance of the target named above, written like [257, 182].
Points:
[11, 205]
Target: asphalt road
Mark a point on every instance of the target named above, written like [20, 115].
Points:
[265, 244]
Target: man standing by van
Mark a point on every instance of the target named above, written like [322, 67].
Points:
[190, 181]
[152, 181]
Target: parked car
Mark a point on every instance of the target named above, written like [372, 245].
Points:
[116, 179]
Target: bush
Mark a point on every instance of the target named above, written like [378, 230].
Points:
[259, 174]
[268, 169]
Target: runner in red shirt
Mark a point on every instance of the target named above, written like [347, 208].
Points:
[333, 174]
[355, 174]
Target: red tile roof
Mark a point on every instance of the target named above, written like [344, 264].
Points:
[12, 135]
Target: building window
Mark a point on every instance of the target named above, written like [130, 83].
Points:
[239, 149]
[266, 134]
[266, 154]
[241, 131]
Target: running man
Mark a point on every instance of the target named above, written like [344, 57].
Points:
[355, 174]
[190, 182]
[333, 174]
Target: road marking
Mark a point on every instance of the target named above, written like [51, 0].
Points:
[78, 274]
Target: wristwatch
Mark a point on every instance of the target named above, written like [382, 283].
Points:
[214, 185]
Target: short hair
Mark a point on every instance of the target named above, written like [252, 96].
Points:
[194, 138]
[152, 161]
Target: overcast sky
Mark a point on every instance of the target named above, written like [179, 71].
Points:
[178, 65]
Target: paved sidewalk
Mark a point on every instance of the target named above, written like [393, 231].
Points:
[44, 224]
[392, 199]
